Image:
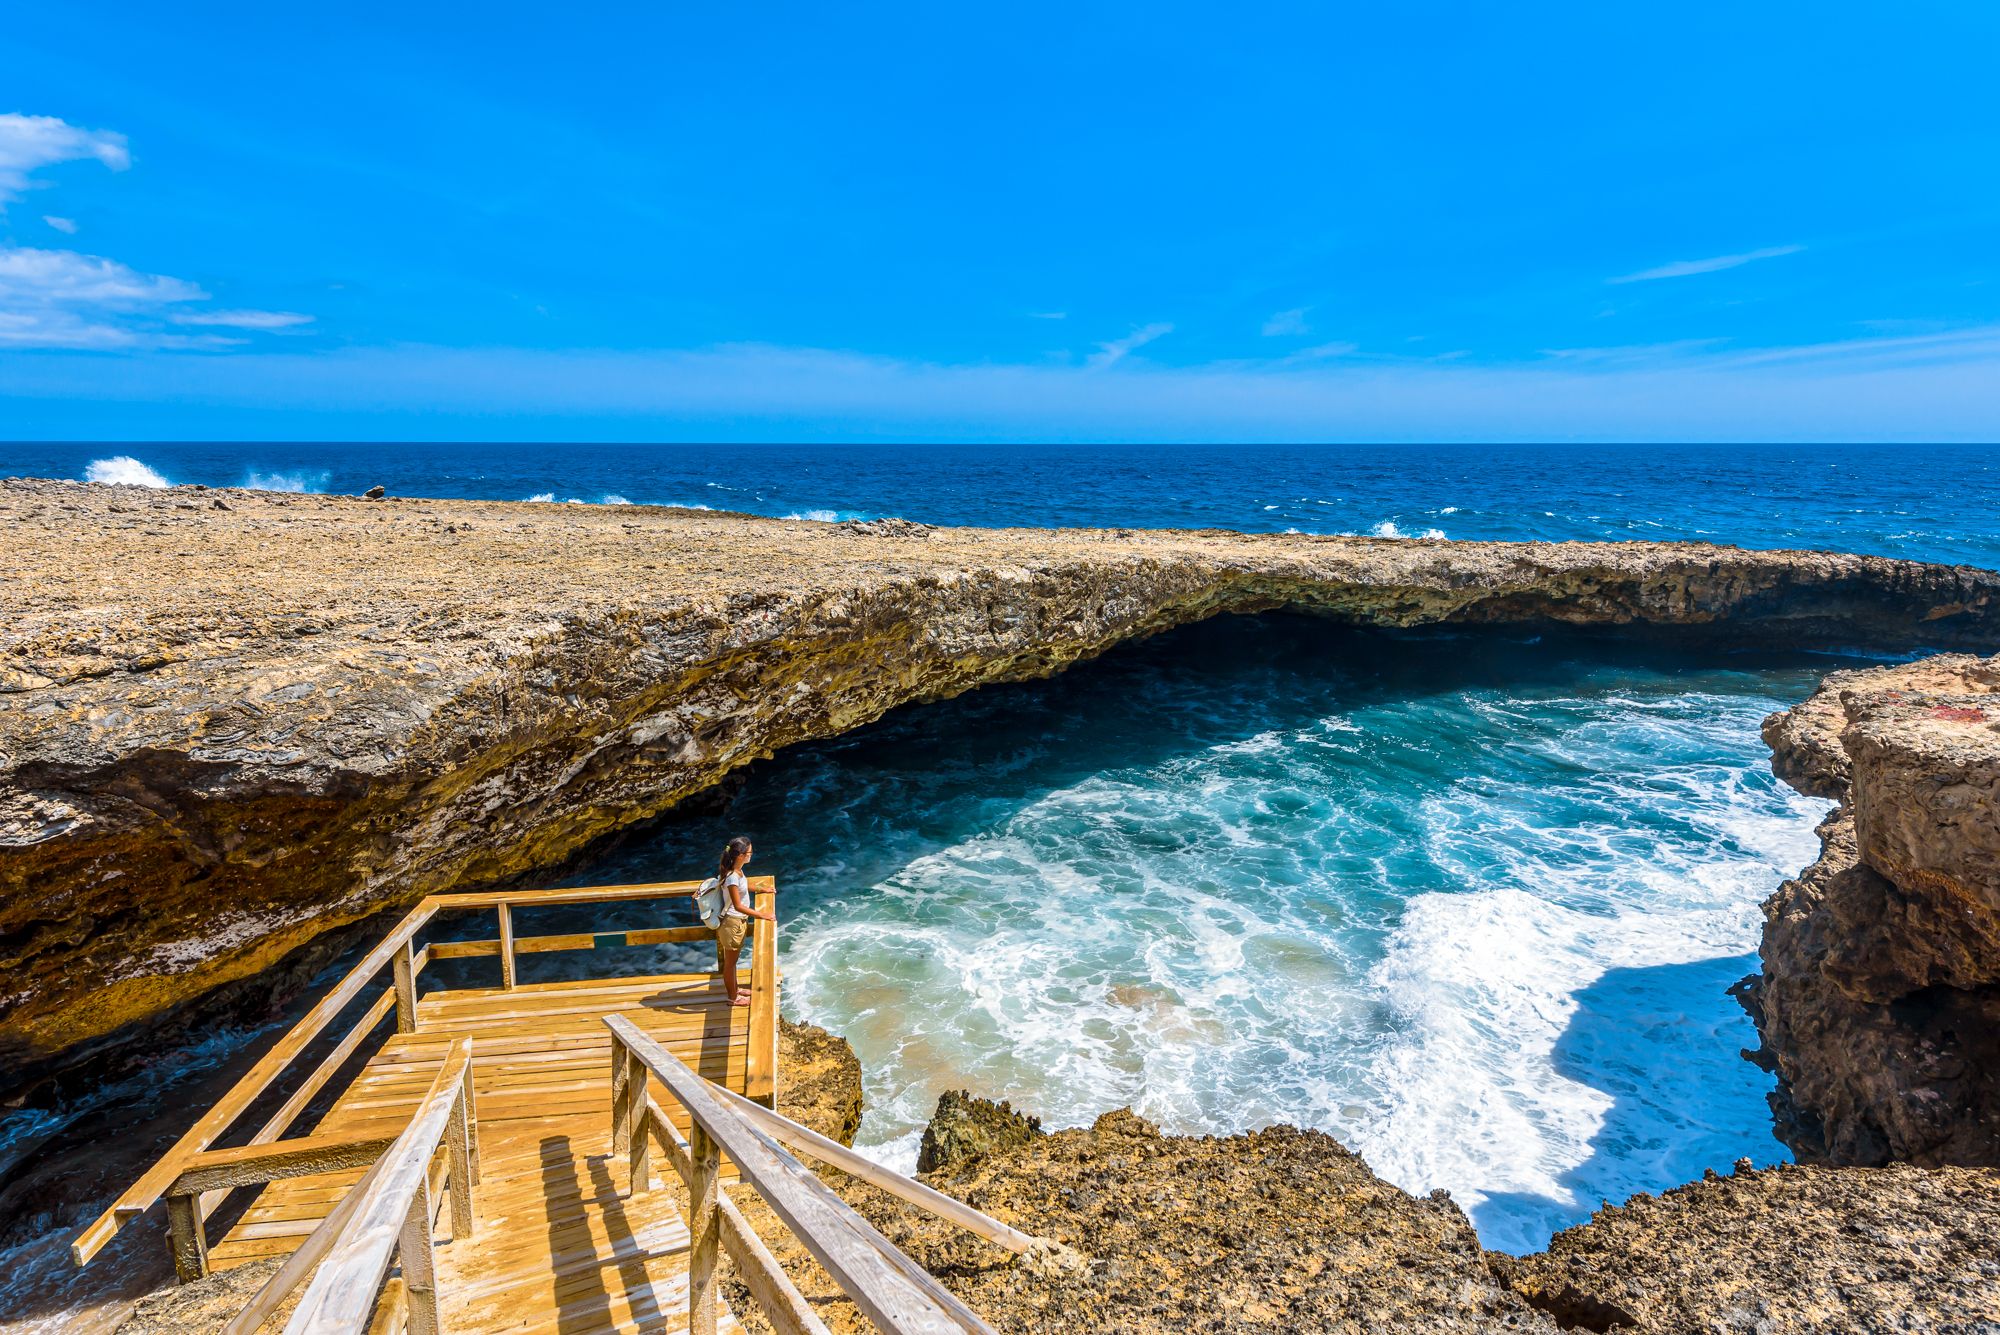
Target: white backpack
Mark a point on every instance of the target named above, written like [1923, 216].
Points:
[708, 902]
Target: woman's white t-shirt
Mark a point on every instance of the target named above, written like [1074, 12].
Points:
[729, 909]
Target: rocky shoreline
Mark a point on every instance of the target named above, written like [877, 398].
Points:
[234, 724]
[234, 721]
[1879, 999]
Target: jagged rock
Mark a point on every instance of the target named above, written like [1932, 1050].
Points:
[1267, 1231]
[965, 1128]
[225, 733]
[374, 493]
[822, 1080]
[1879, 999]
[1783, 1251]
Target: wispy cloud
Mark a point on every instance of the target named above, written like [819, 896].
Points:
[1287, 322]
[65, 299]
[1110, 354]
[1714, 264]
[243, 319]
[1048, 315]
[1928, 387]
[29, 143]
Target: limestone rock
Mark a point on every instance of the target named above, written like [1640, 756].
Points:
[223, 733]
[1879, 999]
[965, 1129]
[1783, 1251]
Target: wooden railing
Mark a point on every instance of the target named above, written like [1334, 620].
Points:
[895, 1293]
[399, 954]
[388, 1216]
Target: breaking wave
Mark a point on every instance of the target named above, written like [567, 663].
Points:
[124, 471]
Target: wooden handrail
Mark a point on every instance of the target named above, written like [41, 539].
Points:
[760, 1078]
[807, 1141]
[892, 1291]
[136, 1199]
[151, 1185]
[393, 1215]
[783, 1305]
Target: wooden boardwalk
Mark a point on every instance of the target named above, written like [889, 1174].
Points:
[557, 1246]
[488, 1166]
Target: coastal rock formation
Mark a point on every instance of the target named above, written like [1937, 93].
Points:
[1270, 1230]
[1879, 1000]
[224, 731]
[1782, 1251]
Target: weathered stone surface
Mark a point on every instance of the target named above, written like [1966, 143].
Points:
[1879, 1000]
[1784, 1251]
[822, 1080]
[1275, 1230]
[224, 732]
[965, 1128]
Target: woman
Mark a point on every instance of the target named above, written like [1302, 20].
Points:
[736, 914]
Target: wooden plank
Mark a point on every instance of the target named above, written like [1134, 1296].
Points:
[704, 1225]
[185, 1236]
[506, 944]
[247, 1165]
[777, 1297]
[569, 940]
[343, 1291]
[281, 1121]
[405, 968]
[808, 1141]
[140, 1196]
[761, 1083]
[826, 1225]
[590, 894]
[301, 1262]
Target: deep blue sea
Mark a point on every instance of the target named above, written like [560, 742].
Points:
[1939, 503]
[1470, 903]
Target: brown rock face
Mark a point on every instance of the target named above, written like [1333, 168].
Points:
[1879, 1001]
[1278, 1230]
[964, 1129]
[1784, 1251]
[223, 732]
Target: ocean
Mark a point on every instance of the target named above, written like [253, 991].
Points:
[1932, 503]
[1470, 903]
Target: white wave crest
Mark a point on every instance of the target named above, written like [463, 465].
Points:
[1388, 529]
[122, 470]
[301, 482]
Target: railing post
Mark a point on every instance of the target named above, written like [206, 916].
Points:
[760, 1076]
[406, 989]
[621, 1066]
[185, 1236]
[507, 947]
[419, 1266]
[637, 1138]
[459, 1171]
[705, 1226]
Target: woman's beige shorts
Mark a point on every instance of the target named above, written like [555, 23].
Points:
[729, 938]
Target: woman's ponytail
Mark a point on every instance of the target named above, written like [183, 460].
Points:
[732, 856]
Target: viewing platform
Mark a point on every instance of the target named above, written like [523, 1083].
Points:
[481, 1159]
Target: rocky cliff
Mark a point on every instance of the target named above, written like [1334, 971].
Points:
[1879, 1000]
[230, 721]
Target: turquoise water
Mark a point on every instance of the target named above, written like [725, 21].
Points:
[1470, 903]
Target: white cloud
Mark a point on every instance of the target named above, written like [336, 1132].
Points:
[1287, 322]
[63, 276]
[64, 299]
[1048, 315]
[243, 319]
[1688, 268]
[28, 143]
[1110, 354]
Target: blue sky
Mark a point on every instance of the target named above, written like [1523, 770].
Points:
[1409, 222]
